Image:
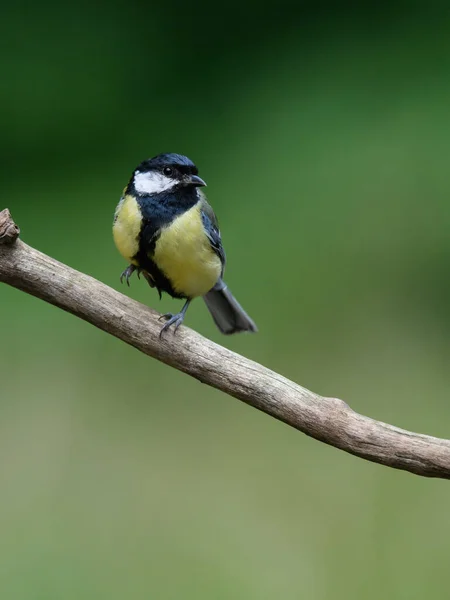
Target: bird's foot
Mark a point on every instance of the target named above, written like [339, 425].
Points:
[148, 278]
[172, 319]
[128, 273]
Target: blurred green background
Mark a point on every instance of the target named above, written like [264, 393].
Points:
[323, 134]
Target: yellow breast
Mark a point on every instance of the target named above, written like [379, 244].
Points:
[184, 254]
[126, 228]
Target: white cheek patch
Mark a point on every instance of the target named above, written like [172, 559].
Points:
[152, 182]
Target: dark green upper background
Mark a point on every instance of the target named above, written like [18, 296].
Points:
[323, 134]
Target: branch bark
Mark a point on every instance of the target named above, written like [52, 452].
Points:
[329, 420]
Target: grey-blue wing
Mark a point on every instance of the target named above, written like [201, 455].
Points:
[212, 231]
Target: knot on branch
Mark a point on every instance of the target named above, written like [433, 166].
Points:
[9, 231]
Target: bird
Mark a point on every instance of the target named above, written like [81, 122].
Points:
[166, 230]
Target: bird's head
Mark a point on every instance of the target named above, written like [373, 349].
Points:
[165, 173]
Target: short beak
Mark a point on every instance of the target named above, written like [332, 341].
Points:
[197, 181]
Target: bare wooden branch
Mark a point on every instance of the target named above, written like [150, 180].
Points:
[326, 419]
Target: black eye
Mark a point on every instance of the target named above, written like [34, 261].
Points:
[168, 171]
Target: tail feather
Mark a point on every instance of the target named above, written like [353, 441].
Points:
[228, 314]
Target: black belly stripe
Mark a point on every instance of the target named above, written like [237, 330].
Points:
[159, 211]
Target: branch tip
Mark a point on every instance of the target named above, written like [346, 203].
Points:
[9, 231]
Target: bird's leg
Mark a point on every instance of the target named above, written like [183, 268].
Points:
[128, 273]
[174, 319]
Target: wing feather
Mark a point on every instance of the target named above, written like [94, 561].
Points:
[211, 226]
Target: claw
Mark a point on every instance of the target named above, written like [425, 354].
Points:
[166, 316]
[128, 273]
[148, 278]
[175, 320]
[151, 282]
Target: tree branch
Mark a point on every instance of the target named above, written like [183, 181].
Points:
[326, 419]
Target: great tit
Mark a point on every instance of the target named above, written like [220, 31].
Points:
[166, 230]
